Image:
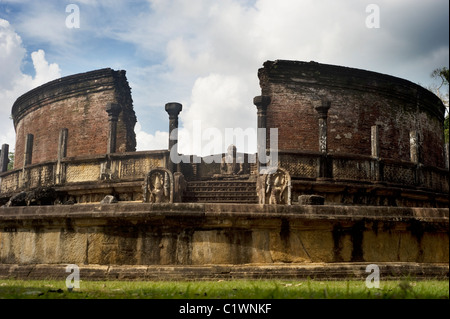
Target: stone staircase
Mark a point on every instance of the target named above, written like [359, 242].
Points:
[221, 191]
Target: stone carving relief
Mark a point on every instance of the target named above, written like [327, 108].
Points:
[274, 188]
[158, 186]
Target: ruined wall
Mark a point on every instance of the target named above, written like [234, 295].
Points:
[359, 99]
[78, 103]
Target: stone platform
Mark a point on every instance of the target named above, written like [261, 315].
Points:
[316, 271]
[207, 241]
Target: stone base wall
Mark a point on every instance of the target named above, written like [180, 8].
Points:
[318, 271]
[220, 234]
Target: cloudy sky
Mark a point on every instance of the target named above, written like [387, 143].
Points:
[205, 53]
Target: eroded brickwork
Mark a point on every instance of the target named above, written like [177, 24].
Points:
[78, 103]
[359, 100]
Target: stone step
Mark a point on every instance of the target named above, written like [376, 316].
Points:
[221, 191]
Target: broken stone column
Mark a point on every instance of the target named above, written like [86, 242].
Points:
[173, 109]
[113, 111]
[261, 102]
[28, 155]
[4, 158]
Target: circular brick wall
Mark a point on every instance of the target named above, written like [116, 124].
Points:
[359, 100]
[78, 103]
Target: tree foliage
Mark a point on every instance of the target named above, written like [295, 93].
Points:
[443, 75]
[11, 161]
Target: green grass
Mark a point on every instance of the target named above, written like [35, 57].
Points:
[236, 289]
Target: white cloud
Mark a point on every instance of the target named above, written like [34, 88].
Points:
[14, 82]
[11, 54]
[44, 72]
[146, 141]
[206, 54]
[233, 40]
[218, 102]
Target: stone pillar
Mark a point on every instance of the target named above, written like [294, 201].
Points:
[173, 109]
[4, 158]
[28, 154]
[414, 147]
[375, 141]
[376, 163]
[62, 143]
[261, 102]
[325, 165]
[416, 156]
[113, 111]
[322, 110]
[62, 152]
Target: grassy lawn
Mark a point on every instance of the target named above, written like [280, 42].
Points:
[236, 289]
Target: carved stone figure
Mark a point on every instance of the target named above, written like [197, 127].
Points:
[158, 186]
[261, 188]
[230, 164]
[278, 188]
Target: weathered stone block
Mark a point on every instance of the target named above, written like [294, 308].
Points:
[109, 199]
[311, 200]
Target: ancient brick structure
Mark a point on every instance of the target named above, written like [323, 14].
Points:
[359, 100]
[360, 179]
[77, 103]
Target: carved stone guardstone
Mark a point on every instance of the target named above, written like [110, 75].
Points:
[274, 188]
[158, 186]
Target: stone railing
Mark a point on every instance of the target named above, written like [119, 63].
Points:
[302, 166]
[359, 168]
[90, 169]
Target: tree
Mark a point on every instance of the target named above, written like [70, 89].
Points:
[11, 161]
[443, 75]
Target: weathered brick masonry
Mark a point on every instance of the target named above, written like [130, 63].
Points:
[78, 103]
[359, 100]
